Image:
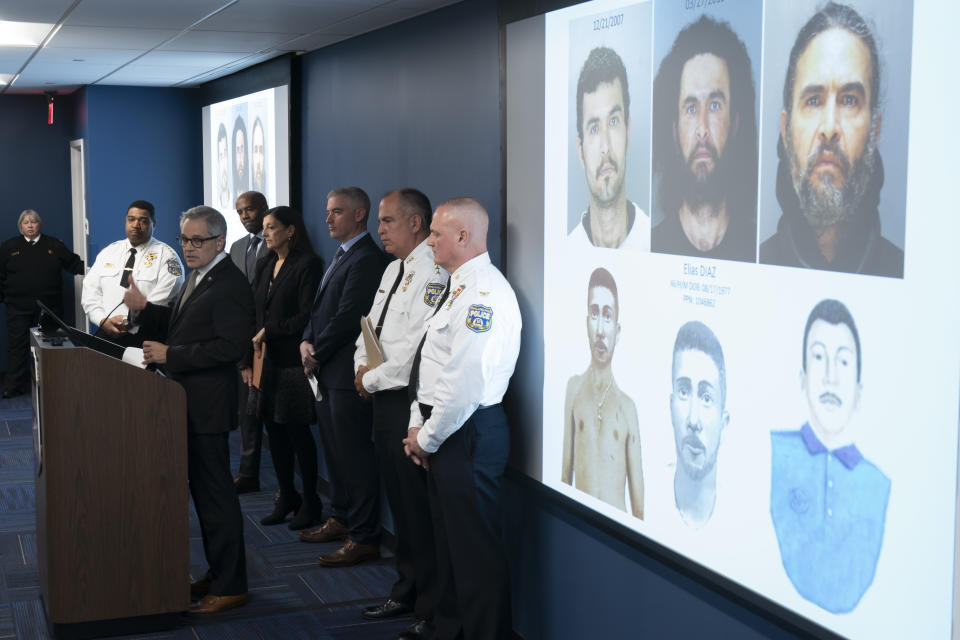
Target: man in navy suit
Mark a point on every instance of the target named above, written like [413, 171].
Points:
[208, 330]
[251, 208]
[346, 292]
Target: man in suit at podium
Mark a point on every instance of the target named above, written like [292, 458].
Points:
[207, 331]
[345, 294]
[251, 207]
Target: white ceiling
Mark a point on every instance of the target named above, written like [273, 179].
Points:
[178, 43]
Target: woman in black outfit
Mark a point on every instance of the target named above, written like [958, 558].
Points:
[283, 289]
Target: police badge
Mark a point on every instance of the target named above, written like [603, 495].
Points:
[479, 318]
[432, 293]
[407, 281]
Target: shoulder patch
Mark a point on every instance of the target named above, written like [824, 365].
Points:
[432, 293]
[479, 318]
[173, 266]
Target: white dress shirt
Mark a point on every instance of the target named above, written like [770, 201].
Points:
[470, 351]
[413, 302]
[157, 272]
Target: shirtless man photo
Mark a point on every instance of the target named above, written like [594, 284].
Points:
[601, 439]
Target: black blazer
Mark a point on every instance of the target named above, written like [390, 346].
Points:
[283, 308]
[340, 302]
[206, 340]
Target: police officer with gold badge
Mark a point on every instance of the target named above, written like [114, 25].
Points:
[458, 430]
[152, 264]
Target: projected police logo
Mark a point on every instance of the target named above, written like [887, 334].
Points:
[601, 438]
[828, 503]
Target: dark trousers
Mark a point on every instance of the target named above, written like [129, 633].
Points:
[21, 315]
[405, 483]
[251, 436]
[464, 488]
[287, 443]
[218, 510]
[345, 419]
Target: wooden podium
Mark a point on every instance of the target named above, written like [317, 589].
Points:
[110, 445]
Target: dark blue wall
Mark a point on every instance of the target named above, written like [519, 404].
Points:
[35, 165]
[416, 104]
[141, 143]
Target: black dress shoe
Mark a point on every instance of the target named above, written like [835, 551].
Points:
[386, 609]
[281, 509]
[199, 588]
[246, 484]
[307, 515]
[419, 630]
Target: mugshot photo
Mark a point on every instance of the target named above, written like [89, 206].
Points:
[705, 105]
[609, 122]
[834, 129]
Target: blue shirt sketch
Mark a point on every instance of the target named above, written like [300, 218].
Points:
[828, 510]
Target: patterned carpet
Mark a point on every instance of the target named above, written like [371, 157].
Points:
[291, 596]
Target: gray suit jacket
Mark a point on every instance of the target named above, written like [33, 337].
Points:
[238, 253]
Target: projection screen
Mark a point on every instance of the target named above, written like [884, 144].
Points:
[749, 314]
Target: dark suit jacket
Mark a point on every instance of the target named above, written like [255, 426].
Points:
[340, 302]
[206, 340]
[238, 253]
[283, 308]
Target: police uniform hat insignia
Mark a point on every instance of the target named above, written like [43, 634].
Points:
[432, 294]
[479, 318]
[174, 267]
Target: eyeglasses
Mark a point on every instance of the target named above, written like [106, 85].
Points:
[196, 243]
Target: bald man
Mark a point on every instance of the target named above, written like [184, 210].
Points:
[458, 430]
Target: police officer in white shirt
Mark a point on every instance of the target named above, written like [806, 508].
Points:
[409, 292]
[153, 265]
[458, 430]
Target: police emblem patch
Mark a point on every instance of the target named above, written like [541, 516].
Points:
[432, 294]
[479, 318]
[174, 267]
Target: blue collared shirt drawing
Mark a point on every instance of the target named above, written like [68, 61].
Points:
[828, 510]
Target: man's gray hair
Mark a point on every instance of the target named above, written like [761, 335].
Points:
[216, 224]
[28, 213]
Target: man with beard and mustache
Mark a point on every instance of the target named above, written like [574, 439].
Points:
[830, 172]
[241, 177]
[258, 162]
[603, 132]
[223, 167]
[698, 413]
[706, 157]
[601, 438]
[828, 503]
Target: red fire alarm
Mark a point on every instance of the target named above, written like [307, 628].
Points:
[50, 108]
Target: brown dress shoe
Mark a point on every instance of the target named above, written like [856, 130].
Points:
[199, 588]
[349, 554]
[216, 604]
[329, 531]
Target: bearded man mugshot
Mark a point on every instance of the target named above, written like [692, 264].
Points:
[601, 437]
[830, 173]
[705, 146]
[828, 502]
